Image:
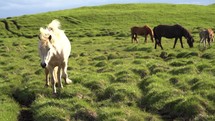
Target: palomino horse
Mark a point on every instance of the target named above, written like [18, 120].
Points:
[144, 31]
[175, 31]
[206, 35]
[54, 49]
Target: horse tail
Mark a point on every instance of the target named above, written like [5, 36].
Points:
[54, 25]
[151, 34]
[155, 35]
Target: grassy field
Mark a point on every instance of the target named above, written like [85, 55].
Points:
[113, 79]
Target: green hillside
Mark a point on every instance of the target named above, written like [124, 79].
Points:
[113, 79]
[111, 19]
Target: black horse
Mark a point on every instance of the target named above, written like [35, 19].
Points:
[175, 31]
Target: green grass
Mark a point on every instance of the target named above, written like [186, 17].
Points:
[9, 108]
[113, 79]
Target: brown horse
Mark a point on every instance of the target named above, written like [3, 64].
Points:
[144, 31]
[175, 31]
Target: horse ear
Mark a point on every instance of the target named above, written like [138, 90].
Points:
[50, 37]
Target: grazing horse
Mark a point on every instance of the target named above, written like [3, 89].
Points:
[144, 31]
[54, 49]
[175, 31]
[206, 35]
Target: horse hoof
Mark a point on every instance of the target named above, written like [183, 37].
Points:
[55, 94]
[46, 85]
[68, 81]
[60, 86]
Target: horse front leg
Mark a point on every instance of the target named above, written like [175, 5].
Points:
[209, 41]
[204, 42]
[200, 41]
[132, 38]
[175, 42]
[181, 43]
[58, 75]
[64, 74]
[160, 44]
[146, 38]
[47, 77]
[135, 38]
[53, 80]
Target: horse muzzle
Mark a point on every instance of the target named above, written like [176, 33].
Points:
[43, 65]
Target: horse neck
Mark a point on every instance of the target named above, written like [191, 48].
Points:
[186, 34]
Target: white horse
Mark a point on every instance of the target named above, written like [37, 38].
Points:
[54, 49]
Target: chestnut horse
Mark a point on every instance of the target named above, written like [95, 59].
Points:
[175, 31]
[144, 31]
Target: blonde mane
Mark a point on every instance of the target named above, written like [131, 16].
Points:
[54, 27]
[44, 37]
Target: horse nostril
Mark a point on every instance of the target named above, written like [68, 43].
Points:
[43, 65]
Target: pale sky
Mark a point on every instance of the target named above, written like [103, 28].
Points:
[10, 8]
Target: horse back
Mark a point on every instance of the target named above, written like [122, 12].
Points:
[203, 34]
[168, 31]
[141, 30]
[137, 30]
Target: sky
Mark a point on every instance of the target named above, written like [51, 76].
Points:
[11, 8]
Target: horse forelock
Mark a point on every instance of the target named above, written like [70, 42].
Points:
[43, 41]
[45, 36]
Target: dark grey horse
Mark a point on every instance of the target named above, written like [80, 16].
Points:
[175, 31]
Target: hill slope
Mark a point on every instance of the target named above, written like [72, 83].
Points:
[112, 18]
[113, 79]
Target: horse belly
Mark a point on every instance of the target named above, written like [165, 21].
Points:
[169, 36]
